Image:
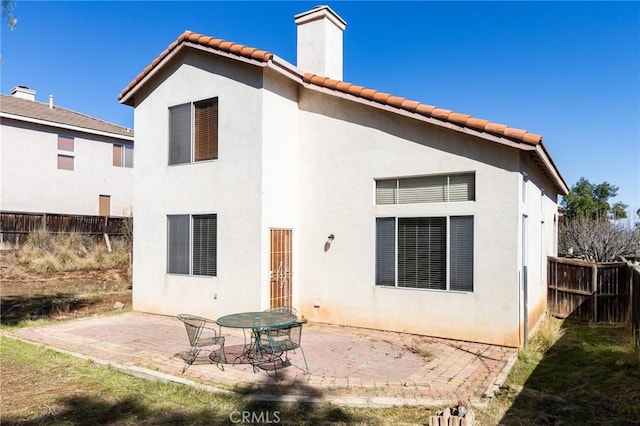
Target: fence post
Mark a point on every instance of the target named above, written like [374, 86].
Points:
[629, 292]
[594, 290]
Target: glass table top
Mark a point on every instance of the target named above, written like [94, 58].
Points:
[257, 320]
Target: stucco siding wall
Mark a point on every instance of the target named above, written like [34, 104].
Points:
[229, 187]
[538, 202]
[344, 147]
[279, 170]
[31, 182]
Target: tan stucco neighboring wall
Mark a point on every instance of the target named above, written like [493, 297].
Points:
[345, 147]
[31, 182]
[229, 187]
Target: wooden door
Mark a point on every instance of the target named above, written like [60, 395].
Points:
[104, 205]
[280, 268]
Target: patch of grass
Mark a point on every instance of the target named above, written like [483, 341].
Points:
[419, 348]
[586, 374]
[549, 332]
[40, 386]
[47, 252]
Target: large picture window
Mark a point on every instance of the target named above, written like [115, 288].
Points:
[425, 252]
[426, 189]
[192, 244]
[193, 132]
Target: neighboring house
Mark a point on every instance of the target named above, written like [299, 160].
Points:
[53, 160]
[262, 183]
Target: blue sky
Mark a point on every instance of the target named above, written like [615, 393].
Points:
[567, 70]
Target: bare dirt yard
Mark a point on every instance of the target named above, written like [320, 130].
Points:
[28, 295]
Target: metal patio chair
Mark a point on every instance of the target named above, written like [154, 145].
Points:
[201, 333]
[278, 342]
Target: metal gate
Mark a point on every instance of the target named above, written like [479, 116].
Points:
[280, 268]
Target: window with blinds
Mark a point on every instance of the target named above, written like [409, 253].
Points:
[65, 143]
[426, 189]
[425, 252]
[206, 130]
[192, 244]
[66, 155]
[122, 155]
[193, 132]
[461, 253]
[65, 162]
[422, 252]
[204, 245]
[385, 251]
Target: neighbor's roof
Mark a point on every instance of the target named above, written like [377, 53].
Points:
[477, 126]
[39, 112]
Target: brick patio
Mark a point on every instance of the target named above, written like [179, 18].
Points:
[347, 365]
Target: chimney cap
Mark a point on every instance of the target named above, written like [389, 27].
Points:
[319, 12]
[23, 92]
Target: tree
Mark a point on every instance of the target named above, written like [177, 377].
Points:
[590, 201]
[598, 240]
[588, 230]
[7, 13]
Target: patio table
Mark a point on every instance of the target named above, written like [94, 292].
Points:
[256, 322]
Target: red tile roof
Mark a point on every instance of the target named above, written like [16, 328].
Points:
[445, 115]
[203, 40]
[459, 119]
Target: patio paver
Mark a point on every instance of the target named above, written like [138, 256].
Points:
[347, 365]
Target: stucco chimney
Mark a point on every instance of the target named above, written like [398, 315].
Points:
[320, 42]
[23, 92]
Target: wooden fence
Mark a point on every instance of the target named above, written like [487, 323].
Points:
[15, 226]
[587, 291]
[635, 311]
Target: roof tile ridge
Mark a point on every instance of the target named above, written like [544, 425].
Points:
[227, 46]
[465, 120]
[203, 40]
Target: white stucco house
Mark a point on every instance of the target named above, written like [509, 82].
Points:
[54, 160]
[259, 183]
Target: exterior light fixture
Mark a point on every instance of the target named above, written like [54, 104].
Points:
[327, 245]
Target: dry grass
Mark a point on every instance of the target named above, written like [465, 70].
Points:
[47, 252]
[572, 373]
[547, 335]
[42, 387]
